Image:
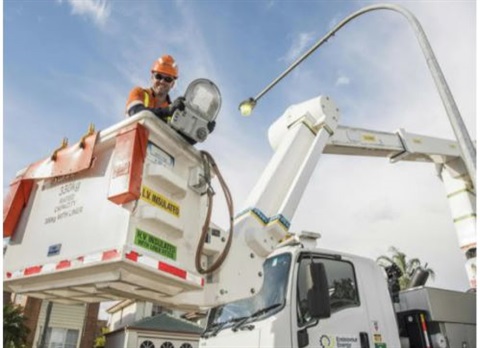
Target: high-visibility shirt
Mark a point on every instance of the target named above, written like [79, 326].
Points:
[139, 95]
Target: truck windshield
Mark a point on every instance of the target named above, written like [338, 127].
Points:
[270, 297]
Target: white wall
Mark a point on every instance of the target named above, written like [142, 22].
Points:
[124, 316]
[135, 339]
[61, 316]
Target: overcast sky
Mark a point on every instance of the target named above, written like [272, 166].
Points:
[69, 63]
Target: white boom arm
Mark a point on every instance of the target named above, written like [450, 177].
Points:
[300, 136]
[445, 154]
[278, 193]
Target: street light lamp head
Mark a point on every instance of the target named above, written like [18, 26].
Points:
[246, 107]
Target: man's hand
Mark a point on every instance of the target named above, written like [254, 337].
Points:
[162, 113]
[165, 113]
[178, 104]
[211, 126]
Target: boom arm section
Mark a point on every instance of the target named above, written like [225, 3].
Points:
[445, 154]
[298, 138]
[397, 146]
[307, 130]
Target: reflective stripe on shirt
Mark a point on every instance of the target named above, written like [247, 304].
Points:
[146, 99]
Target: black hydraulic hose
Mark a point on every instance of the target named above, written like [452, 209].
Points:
[210, 162]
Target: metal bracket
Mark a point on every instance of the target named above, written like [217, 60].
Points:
[64, 144]
[90, 131]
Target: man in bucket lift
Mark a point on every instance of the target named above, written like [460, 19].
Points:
[156, 98]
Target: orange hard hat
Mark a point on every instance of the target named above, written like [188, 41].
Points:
[166, 65]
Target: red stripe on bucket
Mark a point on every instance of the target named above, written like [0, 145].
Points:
[132, 255]
[63, 264]
[111, 254]
[172, 270]
[32, 270]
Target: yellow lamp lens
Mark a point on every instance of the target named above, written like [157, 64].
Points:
[246, 107]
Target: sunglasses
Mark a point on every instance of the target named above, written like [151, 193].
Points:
[161, 77]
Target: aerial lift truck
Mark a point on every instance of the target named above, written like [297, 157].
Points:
[125, 213]
[119, 215]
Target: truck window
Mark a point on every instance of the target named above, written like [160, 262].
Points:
[269, 300]
[341, 282]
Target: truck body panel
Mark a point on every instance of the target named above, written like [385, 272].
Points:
[450, 316]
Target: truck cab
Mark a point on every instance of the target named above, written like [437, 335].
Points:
[320, 298]
[357, 312]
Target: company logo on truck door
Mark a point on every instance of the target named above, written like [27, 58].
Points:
[159, 201]
[337, 341]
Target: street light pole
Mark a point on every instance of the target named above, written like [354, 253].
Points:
[467, 149]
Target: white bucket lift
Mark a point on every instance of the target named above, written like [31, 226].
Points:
[118, 216]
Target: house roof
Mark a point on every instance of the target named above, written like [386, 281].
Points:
[166, 322]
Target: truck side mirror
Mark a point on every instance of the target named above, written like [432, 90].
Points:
[318, 296]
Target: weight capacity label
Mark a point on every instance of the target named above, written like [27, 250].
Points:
[65, 202]
[155, 244]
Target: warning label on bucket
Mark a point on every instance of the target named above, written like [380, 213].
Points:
[155, 244]
[160, 201]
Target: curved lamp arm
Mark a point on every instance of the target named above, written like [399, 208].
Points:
[467, 148]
